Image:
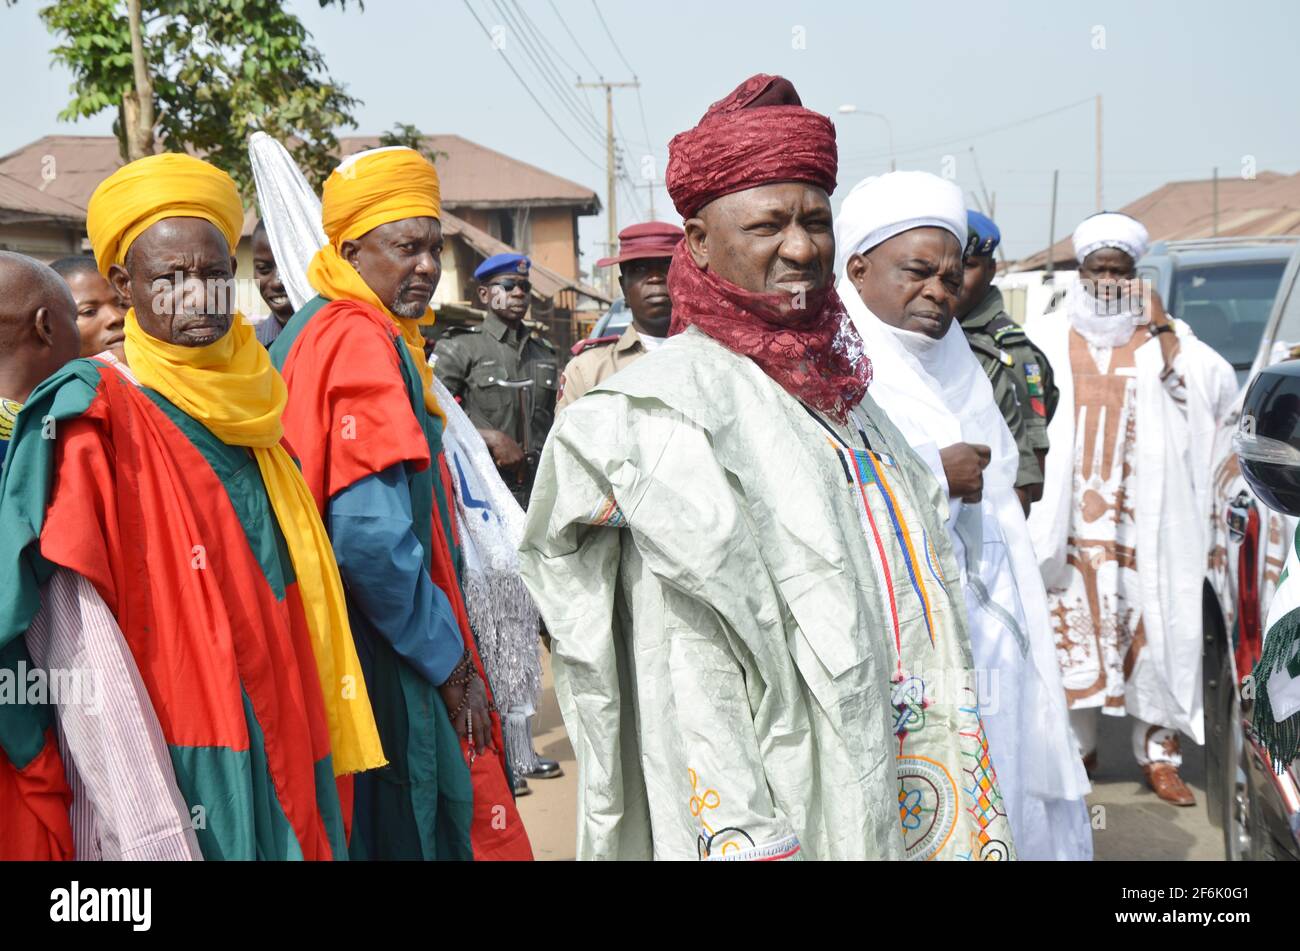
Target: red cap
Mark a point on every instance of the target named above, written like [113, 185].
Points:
[654, 239]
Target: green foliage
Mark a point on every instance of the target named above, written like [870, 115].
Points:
[222, 69]
[403, 133]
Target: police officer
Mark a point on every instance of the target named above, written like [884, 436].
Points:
[1020, 374]
[504, 375]
[644, 253]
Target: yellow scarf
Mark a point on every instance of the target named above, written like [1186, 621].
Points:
[336, 279]
[232, 389]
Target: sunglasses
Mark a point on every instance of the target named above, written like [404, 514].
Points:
[510, 283]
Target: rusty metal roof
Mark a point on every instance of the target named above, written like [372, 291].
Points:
[1268, 204]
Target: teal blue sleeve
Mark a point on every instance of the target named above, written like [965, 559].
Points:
[382, 564]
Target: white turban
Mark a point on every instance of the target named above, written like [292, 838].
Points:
[878, 208]
[1110, 229]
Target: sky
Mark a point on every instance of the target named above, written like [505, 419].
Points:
[995, 94]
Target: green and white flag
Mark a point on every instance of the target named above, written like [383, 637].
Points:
[1277, 675]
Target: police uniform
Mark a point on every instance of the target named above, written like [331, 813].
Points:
[1018, 370]
[597, 360]
[479, 364]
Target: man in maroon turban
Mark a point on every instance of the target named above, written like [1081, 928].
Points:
[744, 568]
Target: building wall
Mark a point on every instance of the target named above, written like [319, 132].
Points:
[480, 218]
[550, 235]
[42, 241]
[554, 241]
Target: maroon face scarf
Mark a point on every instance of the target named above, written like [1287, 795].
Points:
[814, 353]
[758, 135]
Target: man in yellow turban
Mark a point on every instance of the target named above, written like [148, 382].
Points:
[154, 528]
[368, 429]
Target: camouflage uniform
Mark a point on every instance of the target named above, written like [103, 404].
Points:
[1020, 375]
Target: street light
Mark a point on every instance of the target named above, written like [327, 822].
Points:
[852, 110]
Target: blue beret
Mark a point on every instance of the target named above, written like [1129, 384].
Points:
[983, 234]
[501, 263]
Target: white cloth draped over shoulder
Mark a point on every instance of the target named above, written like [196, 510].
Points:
[1175, 448]
[938, 395]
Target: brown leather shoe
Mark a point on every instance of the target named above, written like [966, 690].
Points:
[1168, 785]
[1090, 764]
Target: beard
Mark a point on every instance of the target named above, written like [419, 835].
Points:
[407, 308]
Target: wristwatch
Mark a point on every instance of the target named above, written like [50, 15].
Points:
[1156, 330]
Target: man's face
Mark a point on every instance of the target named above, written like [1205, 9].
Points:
[180, 278]
[506, 295]
[1107, 270]
[912, 281]
[100, 314]
[977, 278]
[645, 289]
[268, 280]
[401, 262]
[774, 239]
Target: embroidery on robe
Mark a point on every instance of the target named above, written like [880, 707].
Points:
[927, 806]
[867, 471]
[731, 842]
[608, 514]
[983, 791]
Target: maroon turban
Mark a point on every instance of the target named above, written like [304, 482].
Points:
[759, 134]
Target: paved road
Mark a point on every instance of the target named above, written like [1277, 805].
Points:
[1136, 825]
[550, 813]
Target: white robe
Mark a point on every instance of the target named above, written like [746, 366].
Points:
[1174, 453]
[947, 400]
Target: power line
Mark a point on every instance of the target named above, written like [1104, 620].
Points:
[583, 101]
[561, 85]
[557, 84]
[593, 66]
[528, 89]
[975, 135]
[600, 16]
[523, 12]
[645, 129]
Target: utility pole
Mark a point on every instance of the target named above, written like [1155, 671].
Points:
[611, 159]
[1051, 228]
[1100, 205]
[1216, 201]
[650, 187]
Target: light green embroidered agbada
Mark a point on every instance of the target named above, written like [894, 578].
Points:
[721, 572]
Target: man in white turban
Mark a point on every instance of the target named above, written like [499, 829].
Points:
[1123, 556]
[900, 239]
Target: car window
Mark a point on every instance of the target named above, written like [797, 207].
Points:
[1227, 306]
[1287, 334]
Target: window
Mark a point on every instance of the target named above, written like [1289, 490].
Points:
[1227, 306]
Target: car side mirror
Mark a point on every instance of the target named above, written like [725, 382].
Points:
[1267, 440]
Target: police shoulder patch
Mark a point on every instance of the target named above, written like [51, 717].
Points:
[590, 342]
[1009, 335]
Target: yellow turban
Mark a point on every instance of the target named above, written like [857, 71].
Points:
[375, 188]
[150, 189]
[367, 190]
